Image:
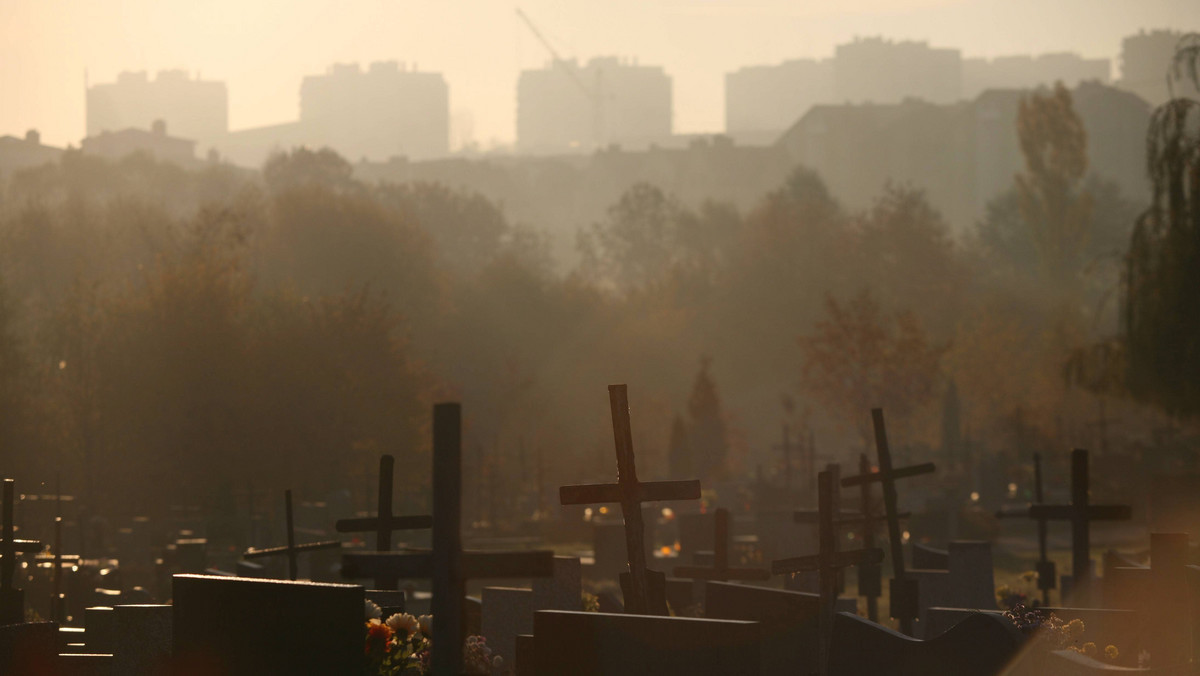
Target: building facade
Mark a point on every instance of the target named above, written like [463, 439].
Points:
[193, 108]
[566, 107]
[762, 101]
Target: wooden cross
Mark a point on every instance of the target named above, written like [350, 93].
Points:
[630, 493]
[384, 522]
[828, 562]
[12, 600]
[447, 564]
[292, 550]
[720, 570]
[1080, 513]
[903, 597]
[1047, 575]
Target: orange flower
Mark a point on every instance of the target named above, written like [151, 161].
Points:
[378, 631]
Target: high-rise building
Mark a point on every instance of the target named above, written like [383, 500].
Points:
[1145, 61]
[874, 70]
[566, 107]
[388, 110]
[193, 108]
[762, 101]
[1023, 72]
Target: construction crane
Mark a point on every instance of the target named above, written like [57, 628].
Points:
[593, 94]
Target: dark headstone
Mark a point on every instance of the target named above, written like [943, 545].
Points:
[28, 648]
[601, 644]
[242, 627]
[980, 645]
[929, 558]
[390, 601]
[142, 638]
[789, 621]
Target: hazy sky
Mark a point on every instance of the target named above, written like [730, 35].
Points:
[262, 48]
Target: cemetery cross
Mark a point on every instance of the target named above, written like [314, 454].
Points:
[292, 550]
[448, 565]
[630, 493]
[828, 562]
[903, 597]
[1046, 573]
[1080, 513]
[720, 570]
[384, 522]
[12, 601]
[869, 583]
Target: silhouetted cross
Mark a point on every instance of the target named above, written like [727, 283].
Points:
[292, 550]
[384, 522]
[448, 565]
[1047, 575]
[1080, 513]
[903, 597]
[12, 601]
[631, 493]
[720, 570]
[828, 562]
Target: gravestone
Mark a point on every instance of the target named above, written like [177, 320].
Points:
[243, 627]
[508, 612]
[644, 592]
[789, 621]
[561, 591]
[980, 645]
[602, 644]
[695, 534]
[28, 648]
[390, 601]
[925, 557]
[1158, 594]
[191, 555]
[141, 638]
[967, 582]
[100, 623]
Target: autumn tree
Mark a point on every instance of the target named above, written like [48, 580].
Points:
[1051, 197]
[707, 433]
[858, 358]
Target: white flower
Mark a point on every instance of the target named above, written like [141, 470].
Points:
[372, 611]
[403, 622]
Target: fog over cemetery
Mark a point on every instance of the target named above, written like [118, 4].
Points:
[895, 375]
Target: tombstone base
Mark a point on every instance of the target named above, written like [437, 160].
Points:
[12, 606]
[656, 592]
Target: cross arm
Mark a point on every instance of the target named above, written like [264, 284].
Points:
[903, 472]
[373, 523]
[23, 546]
[308, 547]
[1110, 512]
[654, 491]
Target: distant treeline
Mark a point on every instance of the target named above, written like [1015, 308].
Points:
[167, 336]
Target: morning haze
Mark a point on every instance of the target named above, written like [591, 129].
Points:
[599, 338]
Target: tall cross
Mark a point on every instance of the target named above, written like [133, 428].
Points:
[630, 493]
[720, 570]
[869, 582]
[828, 562]
[292, 550]
[384, 522]
[903, 597]
[1080, 513]
[12, 600]
[448, 565]
[1047, 575]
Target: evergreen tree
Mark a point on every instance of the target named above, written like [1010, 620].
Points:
[708, 434]
[679, 458]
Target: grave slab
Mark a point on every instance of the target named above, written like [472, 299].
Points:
[244, 627]
[601, 644]
[141, 639]
[980, 645]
